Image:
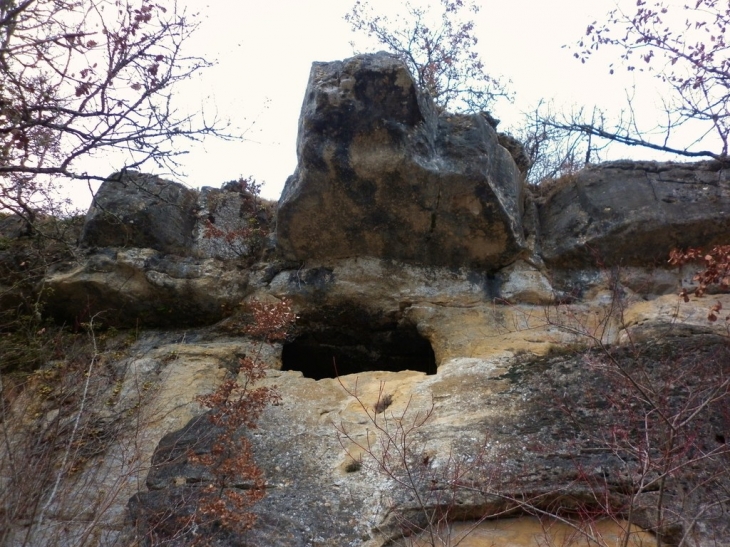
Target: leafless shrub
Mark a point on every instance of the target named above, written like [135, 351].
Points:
[661, 410]
[231, 482]
[57, 425]
[85, 78]
[439, 47]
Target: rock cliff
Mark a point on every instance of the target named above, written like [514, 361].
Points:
[463, 349]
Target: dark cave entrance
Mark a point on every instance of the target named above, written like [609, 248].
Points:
[354, 341]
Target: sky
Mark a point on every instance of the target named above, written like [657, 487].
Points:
[264, 50]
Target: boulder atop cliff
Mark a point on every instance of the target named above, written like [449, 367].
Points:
[635, 212]
[159, 253]
[381, 173]
[137, 210]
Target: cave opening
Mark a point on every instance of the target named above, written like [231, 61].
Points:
[339, 347]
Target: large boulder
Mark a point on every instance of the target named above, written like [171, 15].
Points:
[634, 213]
[382, 173]
[132, 209]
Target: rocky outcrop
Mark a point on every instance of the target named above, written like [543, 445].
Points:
[159, 254]
[134, 210]
[634, 213]
[503, 379]
[137, 210]
[382, 174]
[516, 150]
[128, 287]
[233, 223]
[500, 335]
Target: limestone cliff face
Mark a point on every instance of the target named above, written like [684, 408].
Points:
[420, 269]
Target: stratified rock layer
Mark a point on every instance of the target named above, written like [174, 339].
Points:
[382, 174]
[144, 287]
[401, 241]
[632, 213]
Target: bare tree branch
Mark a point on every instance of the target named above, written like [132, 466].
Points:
[689, 51]
[438, 46]
[81, 79]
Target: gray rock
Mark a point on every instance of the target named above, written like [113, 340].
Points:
[231, 223]
[382, 174]
[522, 282]
[516, 150]
[12, 227]
[634, 213]
[138, 210]
[129, 287]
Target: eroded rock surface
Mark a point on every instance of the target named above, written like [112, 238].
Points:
[382, 174]
[128, 287]
[634, 213]
[500, 412]
[155, 253]
[232, 223]
[401, 249]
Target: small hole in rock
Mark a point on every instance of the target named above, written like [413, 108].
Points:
[383, 403]
[353, 466]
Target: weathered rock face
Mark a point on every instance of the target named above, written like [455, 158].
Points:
[144, 211]
[401, 250]
[502, 400]
[131, 287]
[635, 212]
[232, 223]
[382, 174]
[136, 210]
[162, 254]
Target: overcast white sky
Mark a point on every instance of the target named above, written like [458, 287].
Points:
[264, 50]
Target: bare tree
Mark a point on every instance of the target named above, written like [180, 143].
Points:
[438, 46]
[553, 151]
[78, 79]
[686, 48]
